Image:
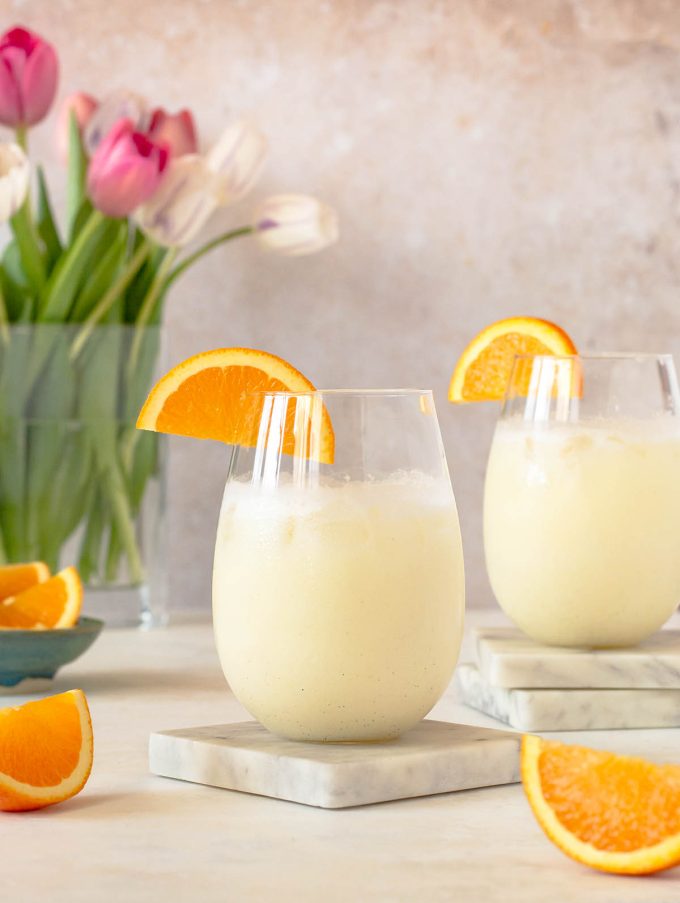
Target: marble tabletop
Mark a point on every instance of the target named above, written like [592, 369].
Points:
[137, 838]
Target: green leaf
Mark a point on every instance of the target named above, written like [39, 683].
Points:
[18, 297]
[47, 228]
[12, 477]
[77, 171]
[73, 267]
[30, 251]
[101, 276]
[52, 406]
[84, 212]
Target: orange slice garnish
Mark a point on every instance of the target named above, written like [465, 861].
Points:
[15, 578]
[54, 603]
[614, 813]
[45, 751]
[210, 396]
[483, 370]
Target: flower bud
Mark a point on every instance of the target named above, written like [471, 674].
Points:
[125, 170]
[237, 159]
[29, 71]
[295, 224]
[181, 205]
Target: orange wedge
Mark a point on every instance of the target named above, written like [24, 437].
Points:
[45, 751]
[54, 603]
[210, 396]
[15, 578]
[483, 370]
[614, 813]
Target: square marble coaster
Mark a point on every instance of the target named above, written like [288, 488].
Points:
[507, 658]
[569, 710]
[435, 757]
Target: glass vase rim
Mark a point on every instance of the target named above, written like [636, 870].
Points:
[641, 356]
[363, 393]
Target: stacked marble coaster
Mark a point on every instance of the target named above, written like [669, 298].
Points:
[548, 688]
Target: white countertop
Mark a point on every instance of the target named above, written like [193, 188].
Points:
[133, 837]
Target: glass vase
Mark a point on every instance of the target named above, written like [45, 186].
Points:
[79, 485]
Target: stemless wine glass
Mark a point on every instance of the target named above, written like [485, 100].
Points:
[582, 498]
[338, 588]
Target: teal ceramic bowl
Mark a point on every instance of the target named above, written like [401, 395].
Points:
[38, 654]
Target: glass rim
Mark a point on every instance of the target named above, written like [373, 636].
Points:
[363, 393]
[599, 356]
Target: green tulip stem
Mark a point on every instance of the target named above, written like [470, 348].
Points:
[146, 310]
[4, 319]
[110, 297]
[21, 134]
[192, 258]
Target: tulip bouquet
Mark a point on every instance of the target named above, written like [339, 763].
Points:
[82, 294]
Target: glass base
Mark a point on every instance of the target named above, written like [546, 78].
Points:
[123, 606]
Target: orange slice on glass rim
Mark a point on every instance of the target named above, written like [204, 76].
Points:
[484, 368]
[46, 750]
[15, 578]
[214, 395]
[55, 603]
[614, 813]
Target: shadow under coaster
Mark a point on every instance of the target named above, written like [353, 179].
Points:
[435, 757]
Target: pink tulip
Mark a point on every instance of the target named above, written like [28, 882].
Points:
[177, 130]
[125, 170]
[28, 77]
[82, 106]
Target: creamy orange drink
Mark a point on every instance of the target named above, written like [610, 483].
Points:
[582, 528]
[338, 609]
[338, 587]
[582, 497]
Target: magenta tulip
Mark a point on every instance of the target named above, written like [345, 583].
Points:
[125, 171]
[28, 77]
[177, 130]
[82, 106]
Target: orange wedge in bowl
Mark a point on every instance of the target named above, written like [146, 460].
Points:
[54, 603]
[483, 370]
[614, 813]
[214, 395]
[15, 578]
[46, 751]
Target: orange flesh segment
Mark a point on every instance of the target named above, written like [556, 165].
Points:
[488, 374]
[45, 751]
[484, 368]
[196, 408]
[15, 578]
[33, 752]
[56, 603]
[591, 793]
[615, 813]
[214, 395]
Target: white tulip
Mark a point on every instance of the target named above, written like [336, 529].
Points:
[237, 159]
[118, 105]
[15, 172]
[295, 224]
[182, 203]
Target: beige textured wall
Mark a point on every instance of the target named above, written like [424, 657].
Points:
[486, 158]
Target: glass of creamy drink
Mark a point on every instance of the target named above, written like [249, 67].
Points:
[338, 588]
[582, 498]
